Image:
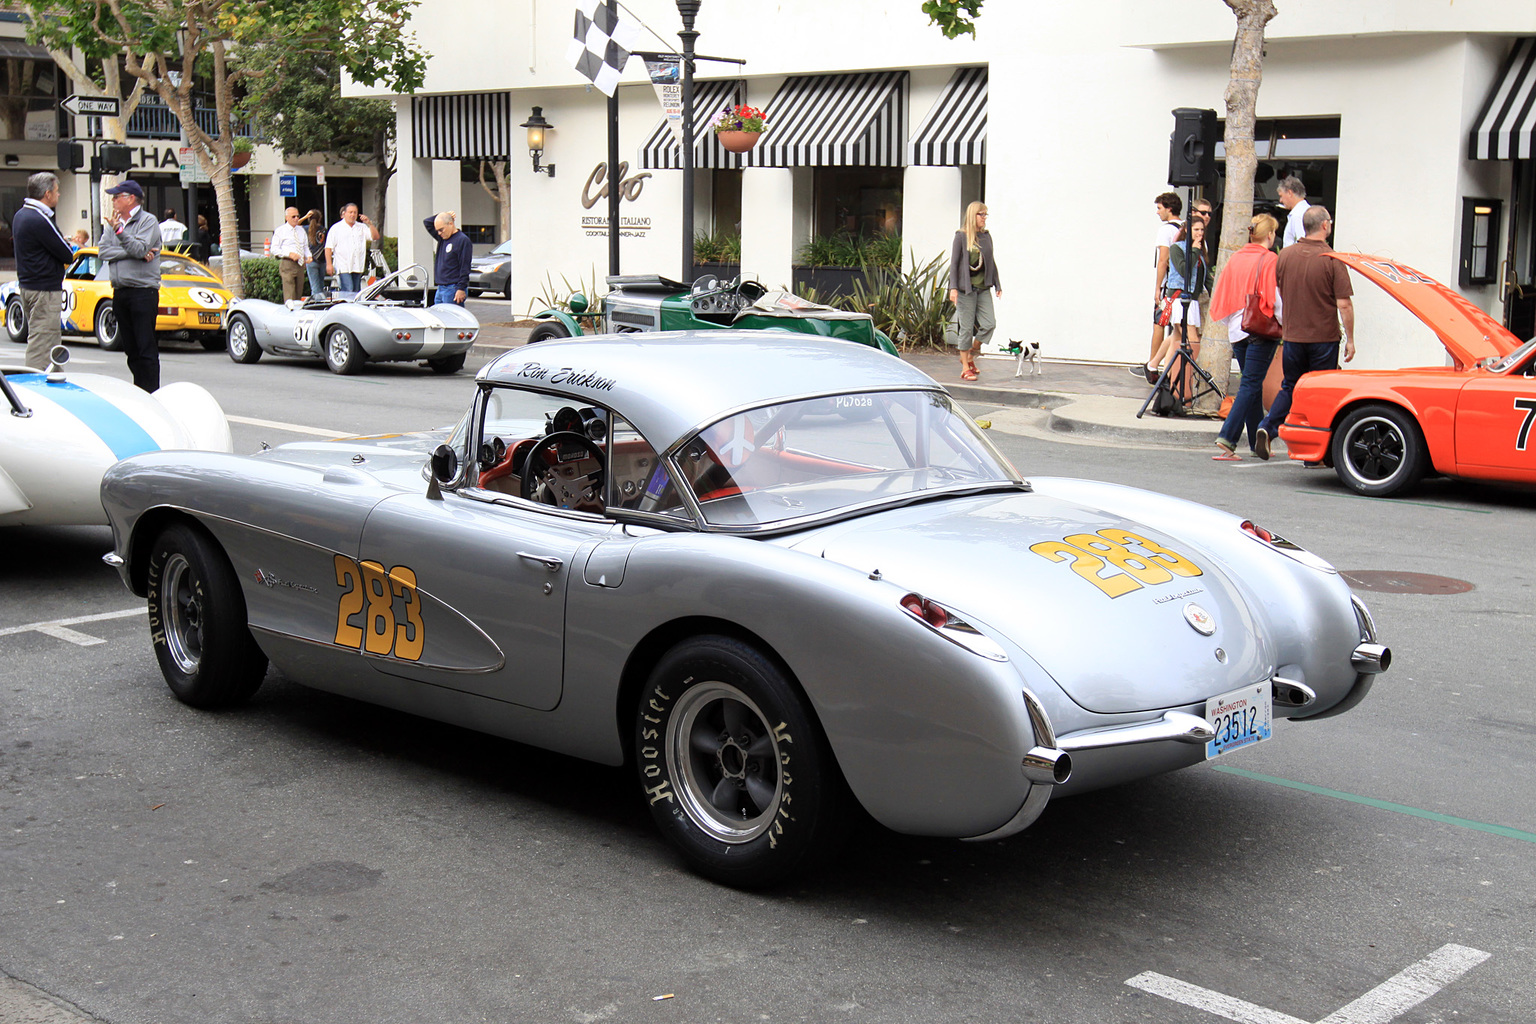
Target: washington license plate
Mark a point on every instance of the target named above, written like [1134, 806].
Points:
[1239, 719]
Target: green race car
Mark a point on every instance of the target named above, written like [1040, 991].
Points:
[642, 303]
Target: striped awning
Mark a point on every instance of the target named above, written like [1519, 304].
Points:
[1506, 127]
[854, 120]
[955, 130]
[463, 125]
[661, 151]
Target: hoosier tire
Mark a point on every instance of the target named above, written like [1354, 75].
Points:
[197, 621]
[734, 768]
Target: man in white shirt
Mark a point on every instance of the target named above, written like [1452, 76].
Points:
[1293, 196]
[346, 247]
[1168, 207]
[291, 247]
[172, 231]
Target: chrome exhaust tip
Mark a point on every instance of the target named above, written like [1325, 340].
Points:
[1047, 766]
[1371, 659]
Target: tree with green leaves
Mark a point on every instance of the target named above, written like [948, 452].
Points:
[169, 44]
[295, 100]
[953, 16]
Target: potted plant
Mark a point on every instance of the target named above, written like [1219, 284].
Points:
[243, 149]
[738, 128]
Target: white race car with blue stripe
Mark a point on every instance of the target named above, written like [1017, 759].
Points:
[61, 431]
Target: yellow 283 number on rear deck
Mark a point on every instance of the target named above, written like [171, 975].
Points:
[1091, 552]
[371, 591]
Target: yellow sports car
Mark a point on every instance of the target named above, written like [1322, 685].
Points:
[192, 301]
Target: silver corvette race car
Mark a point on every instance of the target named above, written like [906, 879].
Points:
[775, 575]
[390, 320]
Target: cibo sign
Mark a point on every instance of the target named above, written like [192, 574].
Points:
[629, 189]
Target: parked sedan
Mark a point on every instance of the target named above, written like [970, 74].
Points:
[1383, 430]
[390, 320]
[670, 552]
[493, 271]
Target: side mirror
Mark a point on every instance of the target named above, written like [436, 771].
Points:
[57, 357]
[445, 464]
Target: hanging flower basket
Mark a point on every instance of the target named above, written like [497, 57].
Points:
[240, 158]
[738, 142]
[738, 128]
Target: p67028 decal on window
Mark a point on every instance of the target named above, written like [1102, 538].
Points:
[366, 619]
[1089, 554]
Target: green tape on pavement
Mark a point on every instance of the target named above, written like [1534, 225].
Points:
[1395, 501]
[1385, 805]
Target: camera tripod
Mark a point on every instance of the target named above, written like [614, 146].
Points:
[1173, 382]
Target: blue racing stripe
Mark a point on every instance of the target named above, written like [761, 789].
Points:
[114, 426]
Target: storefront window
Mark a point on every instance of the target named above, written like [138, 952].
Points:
[1479, 240]
[725, 202]
[861, 201]
[29, 101]
[1307, 147]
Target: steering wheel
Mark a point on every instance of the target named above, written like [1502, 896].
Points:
[541, 482]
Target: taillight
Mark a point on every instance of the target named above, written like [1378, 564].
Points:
[1278, 543]
[1255, 530]
[924, 609]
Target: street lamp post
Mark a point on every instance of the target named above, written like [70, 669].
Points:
[689, 9]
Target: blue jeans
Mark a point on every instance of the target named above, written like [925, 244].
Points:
[1253, 355]
[444, 295]
[316, 273]
[349, 282]
[1298, 358]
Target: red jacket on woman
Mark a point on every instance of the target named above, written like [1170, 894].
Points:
[1236, 282]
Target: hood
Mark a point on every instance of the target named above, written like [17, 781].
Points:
[1468, 333]
[1134, 652]
[395, 460]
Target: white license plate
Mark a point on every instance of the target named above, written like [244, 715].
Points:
[1240, 718]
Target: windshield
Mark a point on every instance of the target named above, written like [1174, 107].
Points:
[412, 277]
[805, 458]
[1505, 362]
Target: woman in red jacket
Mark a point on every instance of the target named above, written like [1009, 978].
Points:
[1251, 269]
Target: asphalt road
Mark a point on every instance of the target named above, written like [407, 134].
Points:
[308, 858]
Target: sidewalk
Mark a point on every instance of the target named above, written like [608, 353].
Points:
[1092, 399]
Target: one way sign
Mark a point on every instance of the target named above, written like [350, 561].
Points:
[92, 106]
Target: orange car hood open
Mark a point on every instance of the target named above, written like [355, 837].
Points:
[1467, 333]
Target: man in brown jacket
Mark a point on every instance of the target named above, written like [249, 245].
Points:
[1315, 294]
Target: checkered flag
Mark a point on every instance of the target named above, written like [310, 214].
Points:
[602, 42]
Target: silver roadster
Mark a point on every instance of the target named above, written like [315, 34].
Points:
[390, 320]
[779, 576]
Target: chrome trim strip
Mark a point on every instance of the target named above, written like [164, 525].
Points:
[1288, 693]
[113, 559]
[1179, 726]
[1363, 617]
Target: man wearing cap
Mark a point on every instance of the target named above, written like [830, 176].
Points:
[41, 256]
[131, 247]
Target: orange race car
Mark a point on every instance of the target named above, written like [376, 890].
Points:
[1382, 430]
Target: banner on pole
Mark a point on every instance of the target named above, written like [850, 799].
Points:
[667, 80]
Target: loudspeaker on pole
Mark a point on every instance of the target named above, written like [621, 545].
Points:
[1192, 147]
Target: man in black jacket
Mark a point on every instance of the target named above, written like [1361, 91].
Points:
[454, 255]
[41, 256]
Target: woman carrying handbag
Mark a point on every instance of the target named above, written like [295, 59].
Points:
[1247, 300]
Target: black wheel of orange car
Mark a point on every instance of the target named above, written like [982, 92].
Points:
[212, 341]
[734, 768]
[1378, 450]
[197, 621]
[107, 334]
[342, 352]
[548, 330]
[15, 320]
[241, 341]
[545, 483]
[448, 364]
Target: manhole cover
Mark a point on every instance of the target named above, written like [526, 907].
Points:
[1385, 581]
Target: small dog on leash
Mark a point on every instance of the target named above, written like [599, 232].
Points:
[1025, 350]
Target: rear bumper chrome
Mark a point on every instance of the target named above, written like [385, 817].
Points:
[1179, 726]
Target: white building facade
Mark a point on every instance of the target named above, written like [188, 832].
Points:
[872, 126]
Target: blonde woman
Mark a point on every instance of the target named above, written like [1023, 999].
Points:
[972, 279]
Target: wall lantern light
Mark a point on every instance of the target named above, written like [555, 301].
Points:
[537, 126]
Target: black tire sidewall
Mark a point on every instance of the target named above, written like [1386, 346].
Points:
[231, 666]
[16, 314]
[354, 355]
[115, 342]
[549, 330]
[448, 364]
[809, 818]
[1414, 456]
[252, 350]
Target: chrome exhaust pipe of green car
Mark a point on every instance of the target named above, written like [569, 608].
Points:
[1047, 766]
[1370, 659]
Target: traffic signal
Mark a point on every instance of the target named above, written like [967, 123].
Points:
[1192, 147]
[115, 158]
[71, 156]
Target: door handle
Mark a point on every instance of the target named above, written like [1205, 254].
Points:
[549, 562]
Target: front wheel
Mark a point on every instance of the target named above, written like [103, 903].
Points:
[197, 621]
[108, 336]
[1378, 451]
[548, 330]
[342, 353]
[241, 341]
[734, 769]
[16, 320]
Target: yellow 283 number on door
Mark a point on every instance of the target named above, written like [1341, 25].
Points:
[1090, 552]
[370, 591]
